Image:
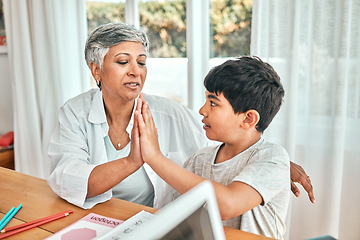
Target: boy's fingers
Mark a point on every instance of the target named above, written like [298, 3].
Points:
[139, 103]
[145, 113]
[141, 96]
[149, 117]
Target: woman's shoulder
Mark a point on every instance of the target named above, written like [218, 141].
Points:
[82, 97]
[82, 101]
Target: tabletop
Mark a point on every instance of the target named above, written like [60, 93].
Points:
[40, 201]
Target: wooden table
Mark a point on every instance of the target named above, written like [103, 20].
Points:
[40, 201]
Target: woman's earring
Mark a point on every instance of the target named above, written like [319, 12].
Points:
[98, 83]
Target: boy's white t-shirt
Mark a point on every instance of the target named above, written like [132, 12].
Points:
[265, 167]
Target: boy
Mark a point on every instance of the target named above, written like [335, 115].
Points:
[251, 176]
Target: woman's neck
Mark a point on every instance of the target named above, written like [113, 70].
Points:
[118, 112]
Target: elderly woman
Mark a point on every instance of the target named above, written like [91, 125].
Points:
[93, 158]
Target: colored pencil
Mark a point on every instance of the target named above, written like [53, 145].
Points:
[38, 223]
[10, 216]
[6, 216]
[35, 221]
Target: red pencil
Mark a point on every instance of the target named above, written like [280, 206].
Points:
[25, 226]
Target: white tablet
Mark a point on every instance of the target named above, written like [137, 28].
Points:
[194, 215]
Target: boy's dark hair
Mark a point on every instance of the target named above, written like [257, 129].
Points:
[248, 83]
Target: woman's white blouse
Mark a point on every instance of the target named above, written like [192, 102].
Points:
[77, 144]
[135, 188]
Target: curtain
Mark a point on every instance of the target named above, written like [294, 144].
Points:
[45, 40]
[315, 48]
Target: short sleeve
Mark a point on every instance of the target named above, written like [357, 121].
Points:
[266, 170]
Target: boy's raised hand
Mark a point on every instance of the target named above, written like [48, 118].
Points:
[149, 143]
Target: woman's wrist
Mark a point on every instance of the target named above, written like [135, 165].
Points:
[131, 165]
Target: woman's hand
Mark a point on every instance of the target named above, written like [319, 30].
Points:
[135, 153]
[298, 174]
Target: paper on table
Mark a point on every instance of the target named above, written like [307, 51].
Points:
[88, 227]
[127, 226]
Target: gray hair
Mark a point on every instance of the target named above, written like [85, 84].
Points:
[108, 35]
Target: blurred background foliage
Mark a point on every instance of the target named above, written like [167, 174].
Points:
[165, 24]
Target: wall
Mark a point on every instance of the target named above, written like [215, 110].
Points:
[6, 103]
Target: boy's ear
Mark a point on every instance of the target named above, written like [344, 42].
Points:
[95, 71]
[251, 118]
